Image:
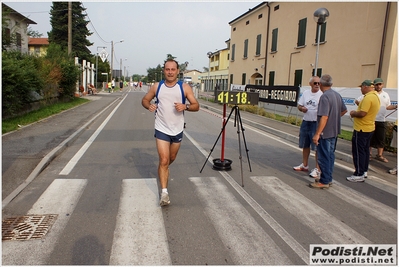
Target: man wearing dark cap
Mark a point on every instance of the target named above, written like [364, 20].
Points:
[363, 128]
[378, 138]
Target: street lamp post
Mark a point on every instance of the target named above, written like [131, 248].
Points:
[320, 16]
[112, 55]
[120, 73]
[104, 73]
[209, 69]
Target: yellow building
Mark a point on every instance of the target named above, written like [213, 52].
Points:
[275, 43]
[38, 46]
[192, 76]
[218, 73]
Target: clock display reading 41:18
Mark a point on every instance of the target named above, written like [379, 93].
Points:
[237, 97]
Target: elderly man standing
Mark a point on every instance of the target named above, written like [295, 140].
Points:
[308, 103]
[329, 112]
[378, 138]
[363, 128]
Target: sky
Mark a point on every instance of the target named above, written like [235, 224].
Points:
[186, 29]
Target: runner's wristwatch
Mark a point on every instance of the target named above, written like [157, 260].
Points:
[187, 106]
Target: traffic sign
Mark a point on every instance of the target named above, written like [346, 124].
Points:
[103, 55]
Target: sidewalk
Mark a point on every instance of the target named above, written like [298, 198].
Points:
[26, 152]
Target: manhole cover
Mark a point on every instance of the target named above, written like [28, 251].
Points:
[27, 227]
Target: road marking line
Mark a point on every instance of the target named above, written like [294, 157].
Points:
[59, 198]
[248, 243]
[295, 246]
[140, 235]
[71, 164]
[309, 213]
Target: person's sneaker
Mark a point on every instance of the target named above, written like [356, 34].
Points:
[319, 185]
[301, 168]
[393, 171]
[365, 174]
[315, 173]
[164, 199]
[355, 179]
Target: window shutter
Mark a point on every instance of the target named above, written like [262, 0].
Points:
[274, 40]
[302, 32]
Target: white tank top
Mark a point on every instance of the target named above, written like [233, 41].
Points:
[167, 119]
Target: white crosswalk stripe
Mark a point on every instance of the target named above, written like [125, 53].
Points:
[248, 242]
[373, 208]
[140, 237]
[309, 213]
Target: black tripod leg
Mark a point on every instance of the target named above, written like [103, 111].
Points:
[224, 126]
[245, 142]
[236, 122]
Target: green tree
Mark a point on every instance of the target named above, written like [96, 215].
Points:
[33, 34]
[59, 32]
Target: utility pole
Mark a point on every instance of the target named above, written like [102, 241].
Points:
[69, 28]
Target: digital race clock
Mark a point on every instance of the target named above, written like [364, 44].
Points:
[237, 97]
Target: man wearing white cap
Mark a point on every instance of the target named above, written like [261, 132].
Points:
[378, 138]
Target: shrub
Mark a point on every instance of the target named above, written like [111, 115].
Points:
[20, 79]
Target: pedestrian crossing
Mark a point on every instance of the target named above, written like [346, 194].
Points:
[140, 236]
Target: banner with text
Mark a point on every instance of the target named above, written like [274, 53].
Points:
[282, 95]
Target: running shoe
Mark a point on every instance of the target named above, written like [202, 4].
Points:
[164, 199]
[315, 173]
[355, 179]
[301, 168]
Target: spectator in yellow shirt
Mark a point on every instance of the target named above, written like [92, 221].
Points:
[363, 128]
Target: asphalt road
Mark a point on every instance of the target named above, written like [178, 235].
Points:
[101, 191]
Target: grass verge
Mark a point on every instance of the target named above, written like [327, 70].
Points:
[14, 123]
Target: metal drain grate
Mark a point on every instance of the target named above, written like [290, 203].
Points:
[27, 227]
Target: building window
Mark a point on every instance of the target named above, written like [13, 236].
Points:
[271, 77]
[274, 40]
[233, 49]
[260, 16]
[244, 77]
[302, 32]
[19, 39]
[276, 7]
[298, 78]
[322, 33]
[7, 36]
[246, 48]
[258, 44]
[234, 29]
[231, 79]
[247, 22]
[318, 73]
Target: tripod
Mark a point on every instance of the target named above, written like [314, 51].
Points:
[237, 120]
